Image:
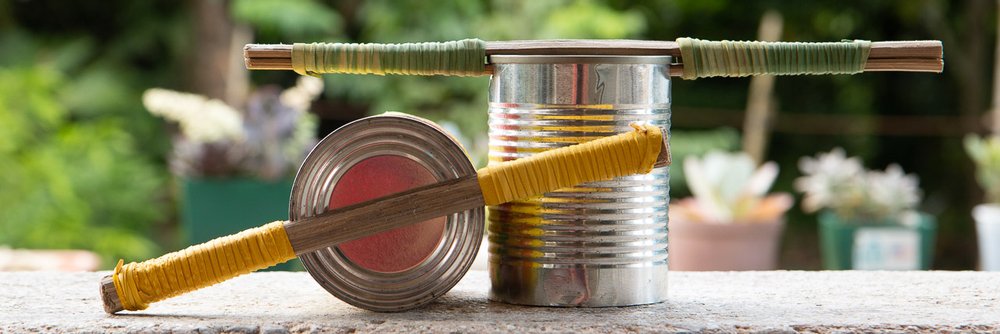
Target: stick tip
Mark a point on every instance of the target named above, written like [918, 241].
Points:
[664, 158]
[109, 295]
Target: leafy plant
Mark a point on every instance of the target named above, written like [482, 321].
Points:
[730, 188]
[834, 181]
[70, 183]
[985, 152]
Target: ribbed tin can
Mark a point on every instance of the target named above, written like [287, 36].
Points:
[409, 141]
[596, 244]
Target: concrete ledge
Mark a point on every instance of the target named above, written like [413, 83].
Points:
[777, 301]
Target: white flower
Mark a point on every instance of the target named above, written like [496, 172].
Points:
[200, 119]
[300, 96]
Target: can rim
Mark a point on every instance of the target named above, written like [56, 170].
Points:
[389, 134]
[578, 59]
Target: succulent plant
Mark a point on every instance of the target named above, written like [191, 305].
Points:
[840, 183]
[730, 188]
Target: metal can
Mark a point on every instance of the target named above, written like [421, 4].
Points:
[373, 157]
[596, 244]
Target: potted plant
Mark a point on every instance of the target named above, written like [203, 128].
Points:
[731, 223]
[985, 152]
[868, 218]
[235, 168]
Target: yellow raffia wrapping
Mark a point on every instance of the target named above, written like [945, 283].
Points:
[628, 153]
[139, 284]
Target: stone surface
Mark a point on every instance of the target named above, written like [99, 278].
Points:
[699, 302]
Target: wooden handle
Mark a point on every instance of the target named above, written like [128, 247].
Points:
[422, 203]
[382, 214]
[134, 286]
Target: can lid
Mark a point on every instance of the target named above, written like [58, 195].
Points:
[577, 59]
[340, 269]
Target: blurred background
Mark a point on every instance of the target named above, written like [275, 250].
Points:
[88, 162]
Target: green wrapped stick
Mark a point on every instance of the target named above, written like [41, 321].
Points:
[695, 58]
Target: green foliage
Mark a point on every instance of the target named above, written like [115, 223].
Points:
[67, 183]
[587, 19]
[287, 17]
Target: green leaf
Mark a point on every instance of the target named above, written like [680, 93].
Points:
[287, 17]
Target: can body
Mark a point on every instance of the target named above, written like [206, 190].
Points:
[596, 244]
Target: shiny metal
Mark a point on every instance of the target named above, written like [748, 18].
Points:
[391, 134]
[597, 244]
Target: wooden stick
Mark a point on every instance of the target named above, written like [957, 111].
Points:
[905, 56]
[404, 208]
[408, 207]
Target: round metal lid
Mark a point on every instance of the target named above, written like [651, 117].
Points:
[397, 135]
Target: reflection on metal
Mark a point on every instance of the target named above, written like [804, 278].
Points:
[600, 243]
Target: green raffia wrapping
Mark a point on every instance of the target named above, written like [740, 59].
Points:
[460, 58]
[704, 59]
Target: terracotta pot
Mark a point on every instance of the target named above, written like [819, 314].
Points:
[48, 260]
[696, 246]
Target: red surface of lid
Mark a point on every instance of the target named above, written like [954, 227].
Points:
[398, 249]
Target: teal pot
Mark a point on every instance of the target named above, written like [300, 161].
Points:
[863, 244]
[212, 208]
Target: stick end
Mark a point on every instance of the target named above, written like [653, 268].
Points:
[664, 158]
[109, 295]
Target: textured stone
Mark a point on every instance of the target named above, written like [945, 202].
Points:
[778, 301]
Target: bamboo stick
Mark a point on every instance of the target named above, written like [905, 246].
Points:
[903, 56]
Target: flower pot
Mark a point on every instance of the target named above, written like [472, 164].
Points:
[900, 244]
[212, 208]
[697, 246]
[48, 260]
[988, 230]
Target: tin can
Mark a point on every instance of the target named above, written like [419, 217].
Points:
[596, 244]
[357, 272]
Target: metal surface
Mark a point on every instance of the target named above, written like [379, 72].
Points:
[597, 244]
[546, 59]
[392, 134]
